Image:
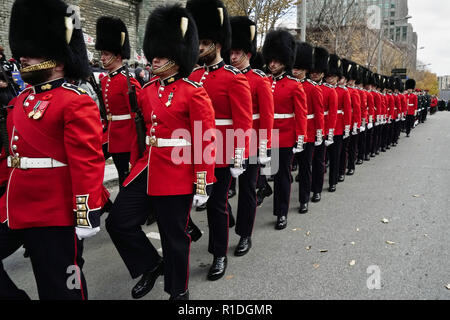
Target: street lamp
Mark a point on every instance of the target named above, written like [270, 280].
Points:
[380, 46]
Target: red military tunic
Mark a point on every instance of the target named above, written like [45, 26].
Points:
[290, 109]
[391, 106]
[411, 103]
[398, 107]
[231, 97]
[175, 108]
[356, 106]
[404, 107]
[364, 106]
[344, 113]
[121, 127]
[377, 106]
[263, 107]
[69, 131]
[315, 109]
[330, 104]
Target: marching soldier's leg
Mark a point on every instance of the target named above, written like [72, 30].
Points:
[343, 159]
[334, 152]
[352, 154]
[106, 154]
[246, 208]
[122, 163]
[172, 215]
[56, 257]
[129, 213]
[318, 171]
[282, 187]
[305, 176]
[361, 147]
[218, 222]
[9, 243]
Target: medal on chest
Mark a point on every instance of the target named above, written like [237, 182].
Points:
[39, 108]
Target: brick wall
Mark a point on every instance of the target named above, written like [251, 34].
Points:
[134, 14]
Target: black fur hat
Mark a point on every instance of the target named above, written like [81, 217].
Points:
[112, 36]
[213, 23]
[410, 84]
[321, 58]
[346, 68]
[355, 72]
[280, 45]
[257, 61]
[391, 83]
[171, 33]
[46, 29]
[397, 84]
[304, 56]
[335, 66]
[243, 34]
[372, 79]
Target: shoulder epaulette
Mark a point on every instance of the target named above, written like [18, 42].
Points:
[125, 73]
[74, 88]
[195, 84]
[232, 69]
[259, 73]
[292, 78]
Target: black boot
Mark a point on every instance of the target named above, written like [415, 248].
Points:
[193, 231]
[147, 281]
[243, 247]
[281, 223]
[181, 296]
[217, 269]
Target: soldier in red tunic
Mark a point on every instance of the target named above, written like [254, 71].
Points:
[345, 102]
[339, 101]
[304, 62]
[243, 47]
[177, 169]
[279, 52]
[230, 94]
[329, 100]
[55, 195]
[355, 75]
[113, 42]
[365, 104]
[412, 104]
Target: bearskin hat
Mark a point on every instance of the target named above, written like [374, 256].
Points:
[355, 72]
[304, 56]
[213, 23]
[46, 29]
[257, 61]
[346, 68]
[280, 45]
[335, 66]
[112, 36]
[410, 84]
[321, 58]
[397, 83]
[243, 34]
[171, 33]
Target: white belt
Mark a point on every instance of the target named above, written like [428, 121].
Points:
[160, 142]
[256, 116]
[33, 163]
[119, 117]
[224, 122]
[310, 116]
[283, 115]
[325, 113]
[411, 105]
[340, 112]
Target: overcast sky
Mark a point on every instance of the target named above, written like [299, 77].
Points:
[431, 21]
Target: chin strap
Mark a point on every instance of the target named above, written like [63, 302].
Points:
[208, 51]
[111, 60]
[49, 64]
[164, 68]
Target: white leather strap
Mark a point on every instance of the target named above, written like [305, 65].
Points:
[310, 116]
[160, 142]
[283, 115]
[325, 113]
[256, 116]
[33, 163]
[340, 111]
[119, 117]
[224, 122]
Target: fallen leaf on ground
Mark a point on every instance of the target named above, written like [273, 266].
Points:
[390, 242]
[448, 286]
[316, 265]
[352, 263]
[229, 277]
[357, 229]
[416, 195]
[296, 229]
[308, 233]
[323, 250]
[352, 243]
[308, 248]
[384, 220]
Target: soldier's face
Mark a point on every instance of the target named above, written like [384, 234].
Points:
[207, 51]
[107, 58]
[276, 67]
[316, 76]
[239, 59]
[299, 73]
[332, 80]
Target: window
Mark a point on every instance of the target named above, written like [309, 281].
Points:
[404, 33]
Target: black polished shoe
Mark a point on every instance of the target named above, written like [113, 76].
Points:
[367, 158]
[243, 247]
[217, 269]
[359, 162]
[147, 281]
[383, 150]
[316, 197]
[267, 191]
[193, 231]
[181, 296]
[281, 223]
[407, 135]
[341, 179]
[303, 208]
[201, 208]
[259, 198]
[270, 178]
[231, 193]
[372, 155]
[332, 189]
[388, 148]
[377, 152]
[350, 172]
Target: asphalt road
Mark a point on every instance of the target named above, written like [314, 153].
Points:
[409, 186]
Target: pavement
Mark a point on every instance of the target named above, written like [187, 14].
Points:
[340, 250]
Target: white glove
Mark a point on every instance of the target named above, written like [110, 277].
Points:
[319, 138]
[297, 150]
[264, 160]
[370, 126]
[299, 147]
[199, 200]
[355, 130]
[362, 129]
[83, 233]
[347, 132]
[329, 141]
[236, 172]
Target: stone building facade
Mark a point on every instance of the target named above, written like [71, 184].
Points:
[134, 14]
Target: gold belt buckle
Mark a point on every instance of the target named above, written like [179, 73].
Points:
[109, 117]
[15, 162]
[153, 142]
